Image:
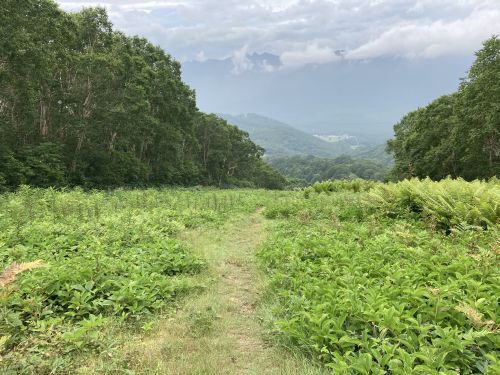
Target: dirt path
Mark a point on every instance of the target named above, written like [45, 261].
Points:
[218, 331]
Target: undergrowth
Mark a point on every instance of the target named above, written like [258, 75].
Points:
[368, 278]
[388, 281]
[75, 263]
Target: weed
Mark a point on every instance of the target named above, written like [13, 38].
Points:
[386, 292]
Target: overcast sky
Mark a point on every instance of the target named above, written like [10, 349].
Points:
[306, 31]
[374, 60]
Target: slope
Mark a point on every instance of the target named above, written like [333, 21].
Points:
[280, 139]
[218, 331]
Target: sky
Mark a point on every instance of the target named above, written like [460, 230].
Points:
[310, 42]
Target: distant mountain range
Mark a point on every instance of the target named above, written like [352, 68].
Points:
[338, 138]
[280, 139]
[359, 98]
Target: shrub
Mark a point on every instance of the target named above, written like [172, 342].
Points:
[450, 203]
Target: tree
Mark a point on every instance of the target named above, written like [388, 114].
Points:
[81, 104]
[456, 135]
[313, 169]
[479, 111]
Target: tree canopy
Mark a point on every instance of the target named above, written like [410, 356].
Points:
[456, 135]
[313, 169]
[82, 104]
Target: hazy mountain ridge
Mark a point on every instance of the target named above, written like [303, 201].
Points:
[280, 139]
[343, 97]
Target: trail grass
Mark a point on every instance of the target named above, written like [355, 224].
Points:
[219, 331]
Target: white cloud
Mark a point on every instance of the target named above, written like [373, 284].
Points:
[305, 31]
[200, 56]
[241, 62]
[433, 39]
[151, 5]
[312, 54]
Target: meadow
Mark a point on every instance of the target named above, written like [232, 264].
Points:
[73, 261]
[403, 278]
[354, 277]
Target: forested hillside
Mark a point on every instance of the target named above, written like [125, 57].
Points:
[82, 104]
[375, 153]
[313, 169]
[279, 139]
[458, 134]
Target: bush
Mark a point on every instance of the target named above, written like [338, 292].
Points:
[449, 203]
[334, 186]
[369, 293]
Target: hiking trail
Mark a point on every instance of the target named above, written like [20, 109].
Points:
[218, 331]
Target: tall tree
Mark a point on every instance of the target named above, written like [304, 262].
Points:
[479, 110]
[458, 134]
[81, 104]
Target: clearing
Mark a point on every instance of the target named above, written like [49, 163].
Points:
[219, 331]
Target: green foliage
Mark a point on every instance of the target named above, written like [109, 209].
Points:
[456, 135]
[107, 257]
[448, 203]
[334, 186]
[81, 104]
[229, 157]
[375, 153]
[267, 177]
[362, 283]
[362, 277]
[12, 171]
[41, 165]
[314, 169]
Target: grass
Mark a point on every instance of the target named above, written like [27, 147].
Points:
[112, 263]
[219, 330]
[198, 282]
[142, 281]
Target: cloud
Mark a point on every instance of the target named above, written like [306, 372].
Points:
[433, 39]
[200, 56]
[305, 32]
[241, 61]
[312, 54]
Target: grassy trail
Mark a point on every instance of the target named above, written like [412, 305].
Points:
[218, 331]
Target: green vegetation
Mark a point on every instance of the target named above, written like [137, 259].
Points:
[279, 139]
[75, 262]
[355, 185]
[218, 331]
[400, 278]
[375, 153]
[448, 204]
[282, 140]
[360, 276]
[456, 135]
[356, 276]
[305, 159]
[313, 169]
[81, 104]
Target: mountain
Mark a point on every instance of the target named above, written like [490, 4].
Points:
[374, 153]
[279, 139]
[360, 98]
